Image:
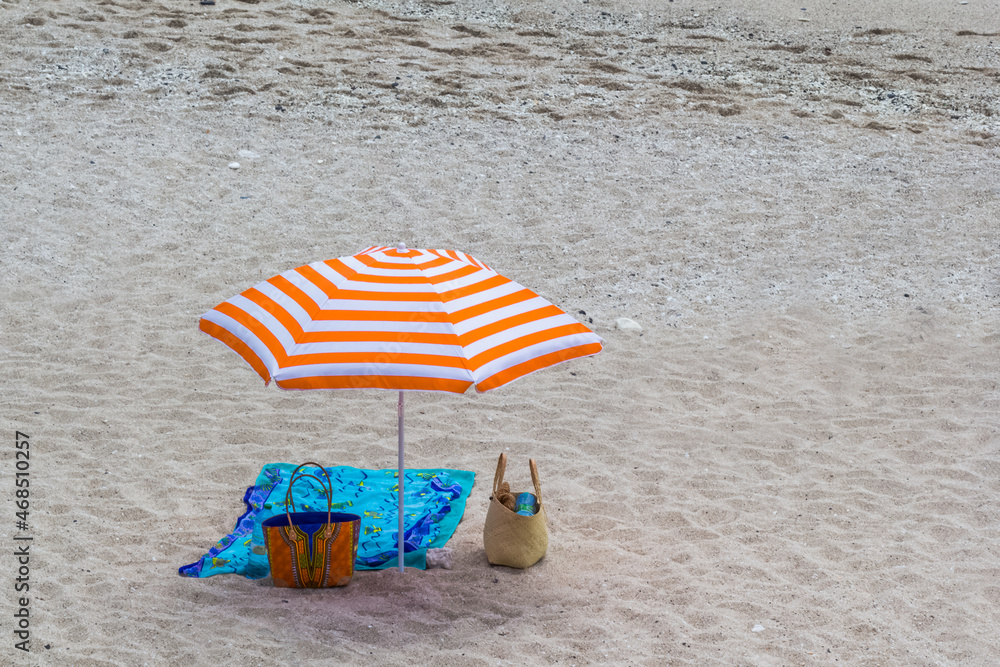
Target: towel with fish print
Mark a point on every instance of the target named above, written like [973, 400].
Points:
[433, 501]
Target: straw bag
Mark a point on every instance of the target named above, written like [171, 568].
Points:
[311, 549]
[512, 539]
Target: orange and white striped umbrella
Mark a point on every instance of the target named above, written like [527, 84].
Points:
[392, 318]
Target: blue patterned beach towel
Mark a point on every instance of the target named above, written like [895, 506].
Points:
[434, 502]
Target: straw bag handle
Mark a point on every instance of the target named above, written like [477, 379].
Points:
[498, 477]
[535, 481]
[328, 485]
[502, 467]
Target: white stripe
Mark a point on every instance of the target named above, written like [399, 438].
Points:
[390, 288]
[493, 316]
[245, 335]
[461, 303]
[448, 267]
[533, 351]
[508, 335]
[465, 281]
[270, 322]
[290, 305]
[388, 306]
[344, 283]
[425, 257]
[414, 259]
[300, 315]
[310, 289]
[362, 268]
[389, 370]
[334, 277]
[431, 272]
[292, 346]
[462, 257]
[447, 255]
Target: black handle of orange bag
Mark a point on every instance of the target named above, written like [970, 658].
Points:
[328, 485]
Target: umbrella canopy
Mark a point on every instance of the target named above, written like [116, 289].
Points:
[398, 319]
[392, 318]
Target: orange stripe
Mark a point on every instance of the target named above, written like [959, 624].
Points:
[465, 270]
[476, 288]
[334, 292]
[461, 272]
[508, 323]
[316, 313]
[295, 293]
[370, 261]
[532, 365]
[442, 254]
[265, 335]
[237, 345]
[376, 382]
[495, 304]
[268, 304]
[380, 316]
[317, 279]
[373, 358]
[277, 350]
[300, 336]
[360, 295]
[467, 258]
[378, 337]
[352, 274]
[503, 350]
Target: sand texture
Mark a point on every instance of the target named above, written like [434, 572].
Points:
[796, 460]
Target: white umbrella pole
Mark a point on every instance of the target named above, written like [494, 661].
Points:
[400, 474]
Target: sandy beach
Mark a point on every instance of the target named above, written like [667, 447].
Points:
[796, 461]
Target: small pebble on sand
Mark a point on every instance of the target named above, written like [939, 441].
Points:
[440, 558]
[234, 165]
[625, 324]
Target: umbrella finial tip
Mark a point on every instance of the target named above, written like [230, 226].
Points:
[401, 247]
